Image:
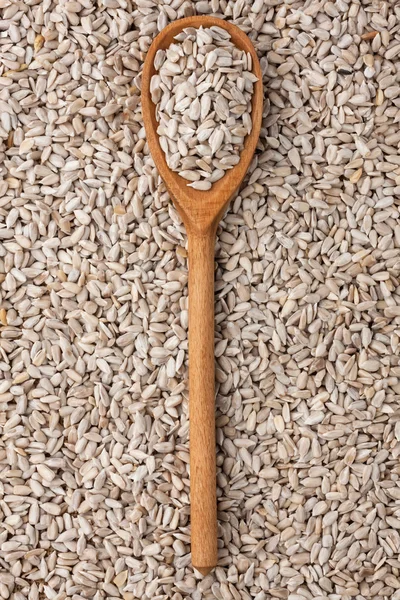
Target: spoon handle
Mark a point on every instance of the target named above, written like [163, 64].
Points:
[202, 401]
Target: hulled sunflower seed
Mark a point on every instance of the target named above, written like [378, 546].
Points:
[209, 83]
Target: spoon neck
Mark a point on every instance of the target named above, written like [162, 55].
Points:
[199, 223]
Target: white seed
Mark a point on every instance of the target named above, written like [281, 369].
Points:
[203, 93]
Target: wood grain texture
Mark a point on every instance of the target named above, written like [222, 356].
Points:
[203, 503]
[201, 212]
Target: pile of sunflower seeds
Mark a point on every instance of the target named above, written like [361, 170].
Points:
[202, 92]
[94, 482]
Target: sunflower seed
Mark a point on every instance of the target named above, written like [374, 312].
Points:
[209, 83]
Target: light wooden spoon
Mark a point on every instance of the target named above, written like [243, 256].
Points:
[201, 212]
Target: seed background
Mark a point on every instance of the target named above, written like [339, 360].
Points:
[93, 343]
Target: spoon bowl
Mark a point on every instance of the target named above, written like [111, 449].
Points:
[201, 212]
[197, 208]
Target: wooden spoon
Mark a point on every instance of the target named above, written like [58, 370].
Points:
[201, 212]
